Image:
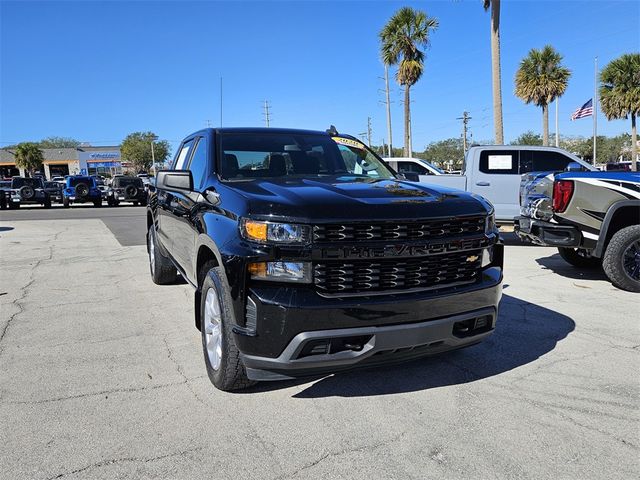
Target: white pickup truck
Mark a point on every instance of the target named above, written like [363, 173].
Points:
[493, 171]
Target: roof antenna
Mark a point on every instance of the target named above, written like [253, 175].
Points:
[332, 131]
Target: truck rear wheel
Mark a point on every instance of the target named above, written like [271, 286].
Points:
[65, 202]
[579, 257]
[221, 356]
[621, 261]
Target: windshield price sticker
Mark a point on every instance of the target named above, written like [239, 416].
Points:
[348, 142]
[500, 162]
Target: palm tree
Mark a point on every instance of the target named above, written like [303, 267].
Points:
[541, 79]
[29, 156]
[401, 39]
[620, 94]
[495, 68]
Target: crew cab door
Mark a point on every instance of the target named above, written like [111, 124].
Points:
[495, 174]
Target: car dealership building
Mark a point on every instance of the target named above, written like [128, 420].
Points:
[68, 161]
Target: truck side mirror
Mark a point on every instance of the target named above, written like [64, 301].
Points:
[574, 167]
[180, 180]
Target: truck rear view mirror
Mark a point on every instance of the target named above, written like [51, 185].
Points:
[175, 180]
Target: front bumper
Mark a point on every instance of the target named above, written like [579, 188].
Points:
[299, 333]
[547, 234]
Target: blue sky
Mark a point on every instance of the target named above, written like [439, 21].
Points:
[97, 71]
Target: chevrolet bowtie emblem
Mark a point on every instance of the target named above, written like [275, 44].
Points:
[472, 258]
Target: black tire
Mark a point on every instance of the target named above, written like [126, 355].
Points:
[82, 190]
[231, 373]
[27, 192]
[47, 202]
[13, 205]
[579, 257]
[110, 202]
[621, 261]
[135, 204]
[163, 272]
[97, 203]
[65, 202]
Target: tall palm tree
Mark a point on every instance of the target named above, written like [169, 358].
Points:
[401, 39]
[620, 94]
[496, 78]
[541, 79]
[29, 156]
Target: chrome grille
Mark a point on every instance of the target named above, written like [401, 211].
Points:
[389, 231]
[388, 275]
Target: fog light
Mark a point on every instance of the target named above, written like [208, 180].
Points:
[299, 272]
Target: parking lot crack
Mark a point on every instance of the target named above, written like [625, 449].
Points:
[26, 289]
[325, 456]
[115, 461]
[181, 373]
[93, 394]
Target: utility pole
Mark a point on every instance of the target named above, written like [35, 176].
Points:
[388, 103]
[465, 120]
[208, 123]
[369, 131]
[267, 114]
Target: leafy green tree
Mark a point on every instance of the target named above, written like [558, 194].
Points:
[495, 68]
[29, 156]
[620, 93]
[136, 149]
[528, 138]
[541, 79]
[445, 153]
[59, 142]
[405, 33]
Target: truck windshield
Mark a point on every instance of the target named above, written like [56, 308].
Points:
[269, 155]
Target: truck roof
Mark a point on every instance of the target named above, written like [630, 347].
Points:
[257, 130]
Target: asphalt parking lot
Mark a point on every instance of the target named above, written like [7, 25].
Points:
[102, 376]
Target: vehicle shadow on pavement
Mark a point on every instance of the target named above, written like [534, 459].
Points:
[556, 264]
[524, 332]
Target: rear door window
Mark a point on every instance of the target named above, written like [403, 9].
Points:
[503, 162]
[543, 161]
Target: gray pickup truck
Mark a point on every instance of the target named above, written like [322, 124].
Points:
[593, 218]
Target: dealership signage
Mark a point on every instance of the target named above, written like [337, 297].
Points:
[106, 159]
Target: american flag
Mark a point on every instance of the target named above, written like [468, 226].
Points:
[585, 110]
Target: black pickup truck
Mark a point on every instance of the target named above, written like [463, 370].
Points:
[309, 255]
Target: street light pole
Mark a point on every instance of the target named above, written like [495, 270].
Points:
[153, 154]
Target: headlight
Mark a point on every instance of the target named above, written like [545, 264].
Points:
[265, 232]
[281, 271]
[490, 223]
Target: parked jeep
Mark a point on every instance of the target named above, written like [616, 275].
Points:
[81, 189]
[8, 198]
[54, 189]
[593, 218]
[309, 255]
[30, 191]
[127, 189]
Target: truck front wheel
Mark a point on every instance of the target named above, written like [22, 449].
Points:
[579, 257]
[221, 356]
[162, 270]
[621, 261]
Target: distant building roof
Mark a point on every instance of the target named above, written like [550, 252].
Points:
[7, 155]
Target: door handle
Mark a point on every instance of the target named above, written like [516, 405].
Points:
[483, 184]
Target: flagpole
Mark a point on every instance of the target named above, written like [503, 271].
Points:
[557, 132]
[595, 107]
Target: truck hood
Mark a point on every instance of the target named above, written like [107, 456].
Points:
[354, 198]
